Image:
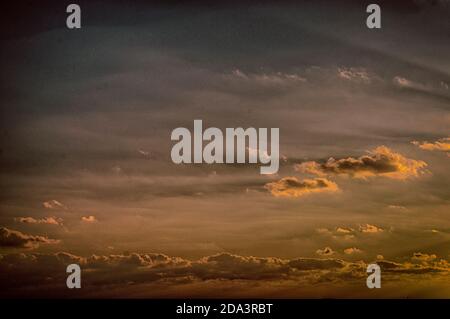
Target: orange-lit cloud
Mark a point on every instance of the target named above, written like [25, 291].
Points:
[381, 161]
[89, 219]
[424, 258]
[367, 228]
[352, 250]
[344, 230]
[442, 145]
[292, 187]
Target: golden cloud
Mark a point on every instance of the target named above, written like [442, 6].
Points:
[367, 228]
[442, 145]
[89, 219]
[381, 161]
[425, 258]
[292, 187]
[344, 230]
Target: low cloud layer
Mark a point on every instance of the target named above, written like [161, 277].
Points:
[20, 272]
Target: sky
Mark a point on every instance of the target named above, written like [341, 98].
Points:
[86, 175]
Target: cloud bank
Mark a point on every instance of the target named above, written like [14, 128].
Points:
[20, 272]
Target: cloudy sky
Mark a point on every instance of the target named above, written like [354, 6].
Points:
[87, 178]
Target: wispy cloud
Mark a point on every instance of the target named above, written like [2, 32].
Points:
[46, 220]
[269, 79]
[354, 74]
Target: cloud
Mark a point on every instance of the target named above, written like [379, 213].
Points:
[421, 257]
[271, 79]
[403, 82]
[340, 233]
[354, 74]
[232, 266]
[433, 90]
[348, 233]
[352, 250]
[327, 251]
[372, 229]
[442, 145]
[398, 208]
[21, 273]
[381, 161]
[292, 187]
[46, 220]
[17, 239]
[421, 264]
[344, 230]
[53, 204]
[89, 219]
